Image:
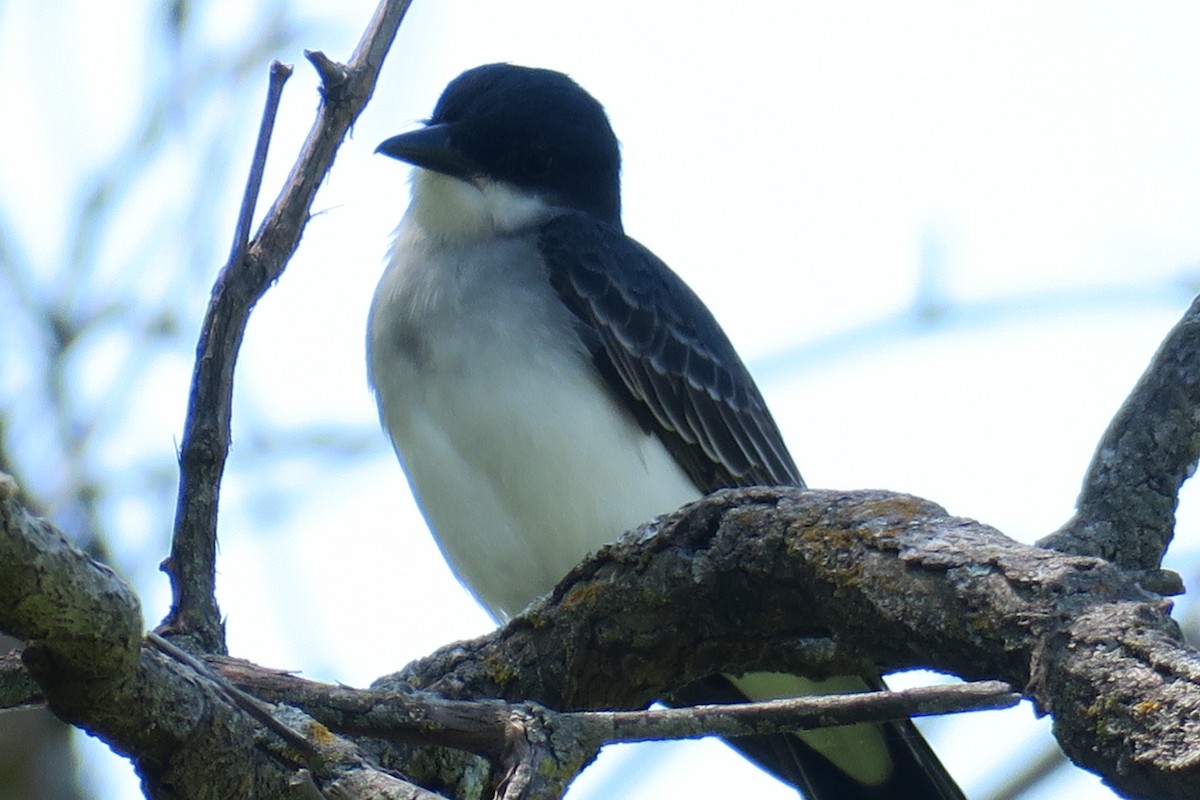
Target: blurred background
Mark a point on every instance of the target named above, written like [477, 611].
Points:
[946, 237]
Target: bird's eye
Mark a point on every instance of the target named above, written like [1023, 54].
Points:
[537, 163]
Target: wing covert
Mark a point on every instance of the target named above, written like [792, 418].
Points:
[660, 349]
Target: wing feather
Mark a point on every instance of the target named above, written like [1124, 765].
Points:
[660, 350]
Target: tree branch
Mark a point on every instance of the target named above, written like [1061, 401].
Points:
[1126, 510]
[248, 275]
[481, 726]
[192, 565]
[82, 630]
[795, 714]
[730, 583]
[79, 622]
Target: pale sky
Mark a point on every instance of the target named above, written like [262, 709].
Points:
[811, 170]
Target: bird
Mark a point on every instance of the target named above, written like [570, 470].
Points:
[548, 383]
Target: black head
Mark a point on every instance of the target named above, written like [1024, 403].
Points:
[534, 128]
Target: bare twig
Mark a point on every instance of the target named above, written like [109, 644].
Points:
[479, 726]
[795, 714]
[537, 751]
[206, 439]
[1126, 511]
[241, 237]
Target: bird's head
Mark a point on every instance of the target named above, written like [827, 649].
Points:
[524, 140]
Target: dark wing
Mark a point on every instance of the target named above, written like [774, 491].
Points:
[662, 352]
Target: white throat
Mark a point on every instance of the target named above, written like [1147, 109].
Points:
[446, 208]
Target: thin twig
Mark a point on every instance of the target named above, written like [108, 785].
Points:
[794, 714]
[480, 726]
[241, 238]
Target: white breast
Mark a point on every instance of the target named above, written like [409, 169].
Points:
[519, 459]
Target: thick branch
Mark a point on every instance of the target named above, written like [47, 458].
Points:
[250, 272]
[741, 581]
[732, 582]
[80, 623]
[1126, 511]
[82, 630]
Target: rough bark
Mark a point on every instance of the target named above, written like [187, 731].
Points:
[1126, 509]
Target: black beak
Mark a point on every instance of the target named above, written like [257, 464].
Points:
[430, 147]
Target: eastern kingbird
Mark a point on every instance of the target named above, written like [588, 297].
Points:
[548, 384]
